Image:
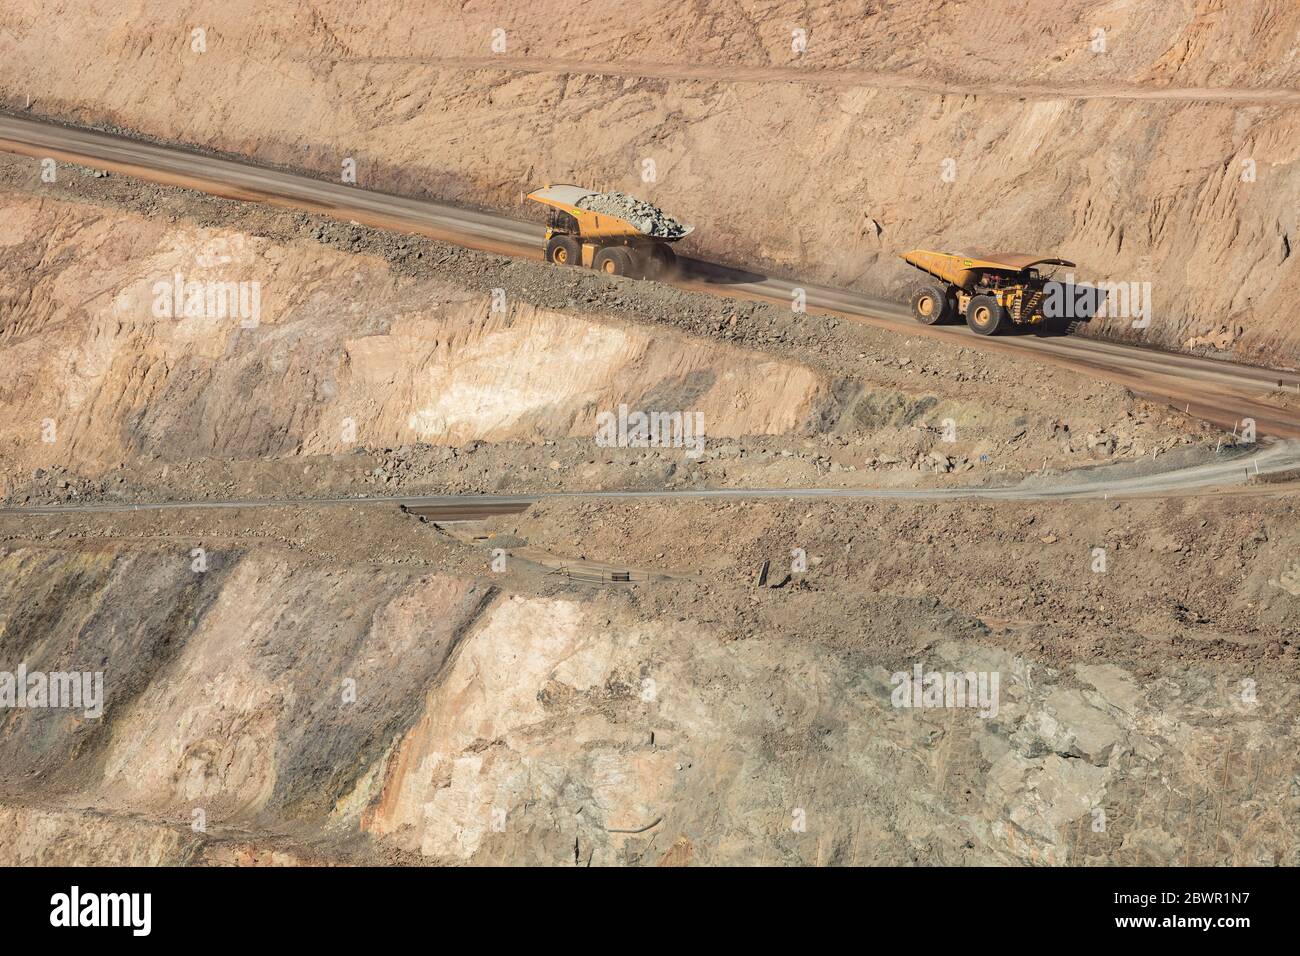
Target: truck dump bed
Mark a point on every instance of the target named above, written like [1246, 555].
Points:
[597, 214]
[962, 269]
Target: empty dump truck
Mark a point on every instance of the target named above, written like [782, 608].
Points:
[989, 289]
[611, 232]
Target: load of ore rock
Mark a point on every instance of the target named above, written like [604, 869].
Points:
[650, 219]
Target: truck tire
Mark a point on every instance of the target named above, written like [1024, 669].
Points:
[985, 315]
[615, 261]
[661, 262]
[931, 304]
[564, 251]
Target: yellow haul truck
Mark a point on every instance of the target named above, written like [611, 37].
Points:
[610, 232]
[989, 289]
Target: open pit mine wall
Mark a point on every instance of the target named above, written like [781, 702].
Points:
[925, 136]
[252, 713]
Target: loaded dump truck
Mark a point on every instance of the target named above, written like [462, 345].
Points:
[611, 232]
[989, 289]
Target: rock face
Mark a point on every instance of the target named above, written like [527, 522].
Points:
[402, 361]
[357, 715]
[1149, 142]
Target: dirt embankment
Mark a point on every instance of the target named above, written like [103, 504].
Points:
[359, 372]
[1196, 197]
[334, 352]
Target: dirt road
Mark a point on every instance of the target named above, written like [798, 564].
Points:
[1220, 392]
[1277, 458]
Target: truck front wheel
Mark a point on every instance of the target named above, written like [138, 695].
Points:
[564, 251]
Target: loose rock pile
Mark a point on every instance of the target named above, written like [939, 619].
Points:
[650, 219]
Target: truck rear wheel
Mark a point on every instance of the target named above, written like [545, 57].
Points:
[931, 304]
[615, 261]
[985, 315]
[564, 251]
